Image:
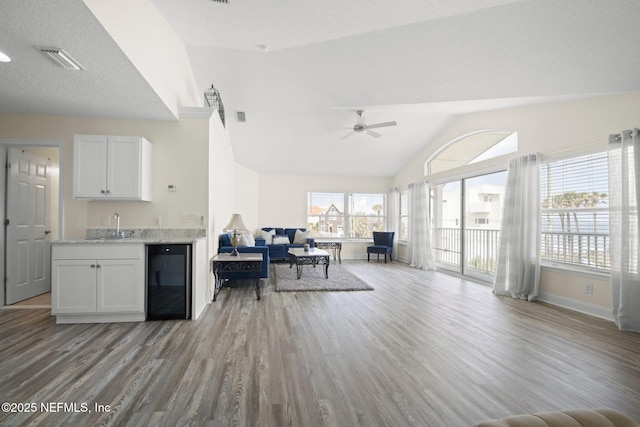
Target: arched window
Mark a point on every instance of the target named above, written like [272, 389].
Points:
[472, 148]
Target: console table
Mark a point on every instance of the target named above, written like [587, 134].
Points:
[223, 264]
[334, 245]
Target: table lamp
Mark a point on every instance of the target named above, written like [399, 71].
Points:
[236, 225]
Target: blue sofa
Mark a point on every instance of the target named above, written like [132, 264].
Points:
[279, 252]
[224, 246]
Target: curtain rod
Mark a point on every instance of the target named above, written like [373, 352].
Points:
[618, 137]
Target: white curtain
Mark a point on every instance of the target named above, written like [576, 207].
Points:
[518, 268]
[394, 217]
[420, 227]
[624, 172]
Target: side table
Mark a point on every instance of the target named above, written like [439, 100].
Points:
[223, 264]
[334, 245]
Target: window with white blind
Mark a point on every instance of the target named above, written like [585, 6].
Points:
[404, 216]
[575, 211]
[366, 214]
[326, 214]
[350, 215]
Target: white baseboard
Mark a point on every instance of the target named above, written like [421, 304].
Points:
[576, 305]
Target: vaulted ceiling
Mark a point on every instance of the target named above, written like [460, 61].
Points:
[299, 70]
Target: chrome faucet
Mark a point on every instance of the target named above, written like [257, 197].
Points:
[117, 218]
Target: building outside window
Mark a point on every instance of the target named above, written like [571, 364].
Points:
[466, 217]
[325, 214]
[351, 215]
[466, 201]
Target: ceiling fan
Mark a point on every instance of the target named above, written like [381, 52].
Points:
[361, 127]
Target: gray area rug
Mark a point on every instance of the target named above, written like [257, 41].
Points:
[313, 279]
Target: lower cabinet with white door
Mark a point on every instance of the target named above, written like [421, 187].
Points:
[93, 283]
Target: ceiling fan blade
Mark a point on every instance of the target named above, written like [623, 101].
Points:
[347, 135]
[373, 134]
[381, 125]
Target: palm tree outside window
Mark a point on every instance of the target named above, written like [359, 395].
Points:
[575, 211]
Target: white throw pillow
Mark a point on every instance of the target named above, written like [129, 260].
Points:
[280, 240]
[301, 237]
[268, 236]
[247, 240]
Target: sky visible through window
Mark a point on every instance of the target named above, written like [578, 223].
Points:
[325, 200]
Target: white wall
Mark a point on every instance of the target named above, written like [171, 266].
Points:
[221, 181]
[548, 129]
[246, 196]
[180, 156]
[543, 128]
[283, 200]
[152, 46]
[180, 152]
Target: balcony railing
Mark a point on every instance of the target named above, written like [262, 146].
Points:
[580, 249]
[481, 248]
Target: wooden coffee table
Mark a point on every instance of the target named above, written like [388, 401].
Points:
[313, 256]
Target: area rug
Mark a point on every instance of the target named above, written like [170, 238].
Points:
[313, 279]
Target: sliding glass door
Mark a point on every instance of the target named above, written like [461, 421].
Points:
[466, 224]
[446, 215]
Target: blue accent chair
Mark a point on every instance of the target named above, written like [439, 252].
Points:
[382, 245]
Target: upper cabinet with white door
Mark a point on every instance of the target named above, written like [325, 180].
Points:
[111, 167]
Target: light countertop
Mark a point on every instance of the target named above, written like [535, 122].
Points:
[146, 236]
[131, 240]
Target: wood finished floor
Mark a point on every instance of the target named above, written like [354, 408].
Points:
[423, 349]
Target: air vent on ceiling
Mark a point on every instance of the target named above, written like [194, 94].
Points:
[241, 116]
[61, 58]
[221, 1]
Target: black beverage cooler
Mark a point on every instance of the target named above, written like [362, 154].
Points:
[168, 281]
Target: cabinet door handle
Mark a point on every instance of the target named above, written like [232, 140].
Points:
[98, 266]
[108, 191]
[93, 266]
[103, 192]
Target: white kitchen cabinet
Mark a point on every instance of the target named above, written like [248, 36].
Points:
[73, 286]
[97, 282]
[111, 167]
[118, 285]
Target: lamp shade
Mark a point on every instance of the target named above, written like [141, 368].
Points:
[236, 224]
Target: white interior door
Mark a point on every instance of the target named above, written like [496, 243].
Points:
[28, 269]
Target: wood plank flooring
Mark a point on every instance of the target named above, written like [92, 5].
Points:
[39, 301]
[422, 349]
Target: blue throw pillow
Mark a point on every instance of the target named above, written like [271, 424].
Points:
[225, 239]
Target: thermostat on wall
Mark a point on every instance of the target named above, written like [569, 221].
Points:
[172, 187]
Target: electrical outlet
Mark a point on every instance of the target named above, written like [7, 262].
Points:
[190, 217]
[158, 220]
[588, 288]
